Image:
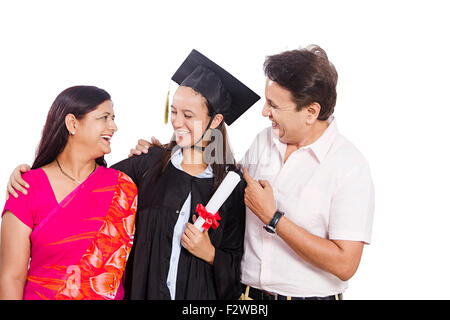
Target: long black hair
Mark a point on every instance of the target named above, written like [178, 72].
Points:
[77, 100]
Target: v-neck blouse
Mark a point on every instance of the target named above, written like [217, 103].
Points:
[40, 200]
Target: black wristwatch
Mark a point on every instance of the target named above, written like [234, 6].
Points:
[271, 227]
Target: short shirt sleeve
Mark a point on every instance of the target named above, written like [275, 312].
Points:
[23, 206]
[352, 206]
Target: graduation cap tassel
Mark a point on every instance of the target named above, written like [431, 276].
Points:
[166, 110]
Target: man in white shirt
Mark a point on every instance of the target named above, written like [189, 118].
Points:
[310, 197]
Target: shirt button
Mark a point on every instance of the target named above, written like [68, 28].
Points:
[168, 283]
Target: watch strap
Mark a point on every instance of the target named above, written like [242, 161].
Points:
[271, 227]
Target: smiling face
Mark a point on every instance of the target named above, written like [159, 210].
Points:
[94, 131]
[189, 116]
[288, 124]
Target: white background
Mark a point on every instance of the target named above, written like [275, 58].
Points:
[393, 102]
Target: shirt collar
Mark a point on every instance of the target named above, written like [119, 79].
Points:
[320, 147]
[177, 158]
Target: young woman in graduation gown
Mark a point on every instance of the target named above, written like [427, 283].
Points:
[167, 262]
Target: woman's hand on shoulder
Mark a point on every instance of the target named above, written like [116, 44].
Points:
[16, 182]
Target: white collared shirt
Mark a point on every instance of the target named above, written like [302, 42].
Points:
[325, 188]
[180, 225]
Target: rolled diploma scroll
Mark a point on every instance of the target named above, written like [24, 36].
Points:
[222, 193]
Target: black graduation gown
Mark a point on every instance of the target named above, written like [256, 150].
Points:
[160, 200]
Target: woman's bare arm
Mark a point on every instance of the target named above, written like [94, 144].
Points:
[14, 257]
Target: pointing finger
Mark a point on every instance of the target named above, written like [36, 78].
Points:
[248, 178]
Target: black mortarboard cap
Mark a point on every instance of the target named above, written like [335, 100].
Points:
[225, 94]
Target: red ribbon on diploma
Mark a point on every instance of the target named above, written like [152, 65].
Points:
[210, 218]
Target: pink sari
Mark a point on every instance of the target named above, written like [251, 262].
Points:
[80, 246]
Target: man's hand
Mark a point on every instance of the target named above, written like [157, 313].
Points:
[16, 181]
[259, 198]
[142, 146]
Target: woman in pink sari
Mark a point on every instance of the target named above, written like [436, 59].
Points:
[70, 237]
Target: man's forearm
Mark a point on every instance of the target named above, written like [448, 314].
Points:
[328, 255]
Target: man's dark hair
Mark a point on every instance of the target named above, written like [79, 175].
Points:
[308, 75]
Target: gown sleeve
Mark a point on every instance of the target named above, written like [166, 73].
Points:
[137, 166]
[227, 261]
